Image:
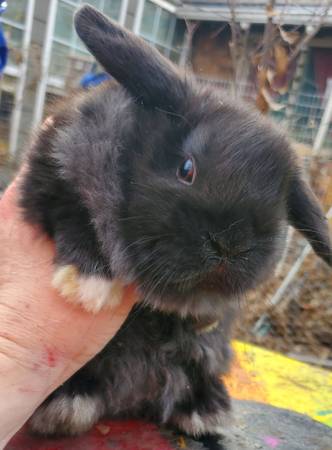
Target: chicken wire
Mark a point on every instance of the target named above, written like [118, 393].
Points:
[301, 114]
[6, 107]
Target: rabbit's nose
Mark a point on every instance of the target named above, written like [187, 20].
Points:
[220, 245]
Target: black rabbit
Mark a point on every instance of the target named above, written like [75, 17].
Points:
[160, 181]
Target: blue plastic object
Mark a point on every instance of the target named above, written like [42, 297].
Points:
[93, 78]
[3, 51]
[3, 42]
[3, 6]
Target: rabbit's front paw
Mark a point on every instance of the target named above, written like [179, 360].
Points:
[92, 292]
[67, 415]
[199, 424]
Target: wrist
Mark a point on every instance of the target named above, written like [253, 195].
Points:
[22, 390]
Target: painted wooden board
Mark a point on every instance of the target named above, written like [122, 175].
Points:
[122, 435]
[271, 378]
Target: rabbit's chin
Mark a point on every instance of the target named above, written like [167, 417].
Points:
[198, 303]
[208, 296]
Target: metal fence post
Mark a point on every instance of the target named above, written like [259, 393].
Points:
[138, 16]
[45, 63]
[123, 12]
[17, 110]
[261, 326]
[323, 126]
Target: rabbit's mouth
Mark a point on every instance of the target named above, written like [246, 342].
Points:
[191, 289]
[201, 286]
[204, 294]
[210, 280]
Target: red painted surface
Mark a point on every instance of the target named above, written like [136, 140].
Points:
[112, 435]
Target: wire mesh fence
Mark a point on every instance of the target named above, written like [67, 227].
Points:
[300, 113]
[6, 107]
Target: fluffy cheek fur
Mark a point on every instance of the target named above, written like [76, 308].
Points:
[210, 292]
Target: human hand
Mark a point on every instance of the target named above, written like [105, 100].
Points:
[43, 339]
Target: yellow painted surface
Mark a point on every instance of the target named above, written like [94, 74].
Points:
[271, 378]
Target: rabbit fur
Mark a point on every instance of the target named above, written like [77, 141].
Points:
[106, 179]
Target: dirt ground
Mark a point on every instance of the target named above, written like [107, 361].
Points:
[302, 323]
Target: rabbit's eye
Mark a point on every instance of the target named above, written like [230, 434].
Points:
[187, 171]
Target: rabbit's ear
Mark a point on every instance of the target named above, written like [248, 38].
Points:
[306, 215]
[147, 75]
